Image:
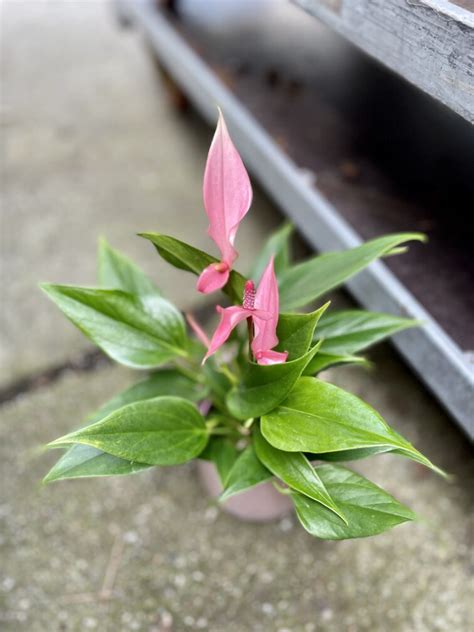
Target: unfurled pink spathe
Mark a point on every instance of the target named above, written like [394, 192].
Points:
[262, 307]
[227, 196]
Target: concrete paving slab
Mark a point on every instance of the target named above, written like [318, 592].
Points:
[91, 147]
[152, 553]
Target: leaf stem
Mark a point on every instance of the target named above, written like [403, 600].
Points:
[190, 373]
[222, 431]
[228, 373]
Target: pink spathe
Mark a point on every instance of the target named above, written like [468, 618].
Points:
[262, 306]
[230, 318]
[227, 196]
[267, 300]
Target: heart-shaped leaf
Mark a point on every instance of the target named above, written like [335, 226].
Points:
[294, 469]
[295, 332]
[350, 331]
[139, 335]
[369, 510]
[277, 245]
[83, 461]
[309, 280]
[186, 257]
[117, 272]
[160, 431]
[319, 417]
[246, 472]
[263, 387]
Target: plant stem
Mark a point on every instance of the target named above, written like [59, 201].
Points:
[251, 331]
[228, 373]
[190, 373]
[222, 431]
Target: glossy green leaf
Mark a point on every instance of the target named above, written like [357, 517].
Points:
[319, 417]
[295, 332]
[263, 387]
[83, 461]
[160, 431]
[246, 472]
[118, 323]
[278, 246]
[294, 469]
[186, 257]
[223, 454]
[323, 361]
[350, 331]
[369, 510]
[309, 280]
[351, 455]
[117, 272]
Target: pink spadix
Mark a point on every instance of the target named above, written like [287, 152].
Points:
[262, 307]
[227, 197]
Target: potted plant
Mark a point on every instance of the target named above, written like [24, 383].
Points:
[248, 401]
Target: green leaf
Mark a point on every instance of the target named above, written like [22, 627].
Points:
[295, 332]
[117, 272]
[309, 280]
[319, 417]
[351, 455]
[323, 361]
[264, 387]
[162, 382]
[294, 469]
[348, 332]
[369, 509]
[278, 246]
[130, 332]
[160, 431]
[246, 472]
[186, 257]
[218, 383]
[83, 461]
[223, 454]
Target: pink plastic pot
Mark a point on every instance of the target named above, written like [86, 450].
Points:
[261, 503]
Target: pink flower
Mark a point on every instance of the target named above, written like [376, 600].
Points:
[267, 299]
[227, 197]
[262, 307]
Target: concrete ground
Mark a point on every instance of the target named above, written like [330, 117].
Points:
[92, 147]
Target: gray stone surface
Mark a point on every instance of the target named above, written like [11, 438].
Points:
[166, 554]
[91, 147]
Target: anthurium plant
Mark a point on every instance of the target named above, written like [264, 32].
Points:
[249, 399]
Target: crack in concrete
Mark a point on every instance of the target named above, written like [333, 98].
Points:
[89, 360]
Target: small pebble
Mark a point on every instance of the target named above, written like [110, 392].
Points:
[90, 623]
[267, 608]
[131, 537]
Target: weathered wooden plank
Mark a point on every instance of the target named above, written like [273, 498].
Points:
[428, 42]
